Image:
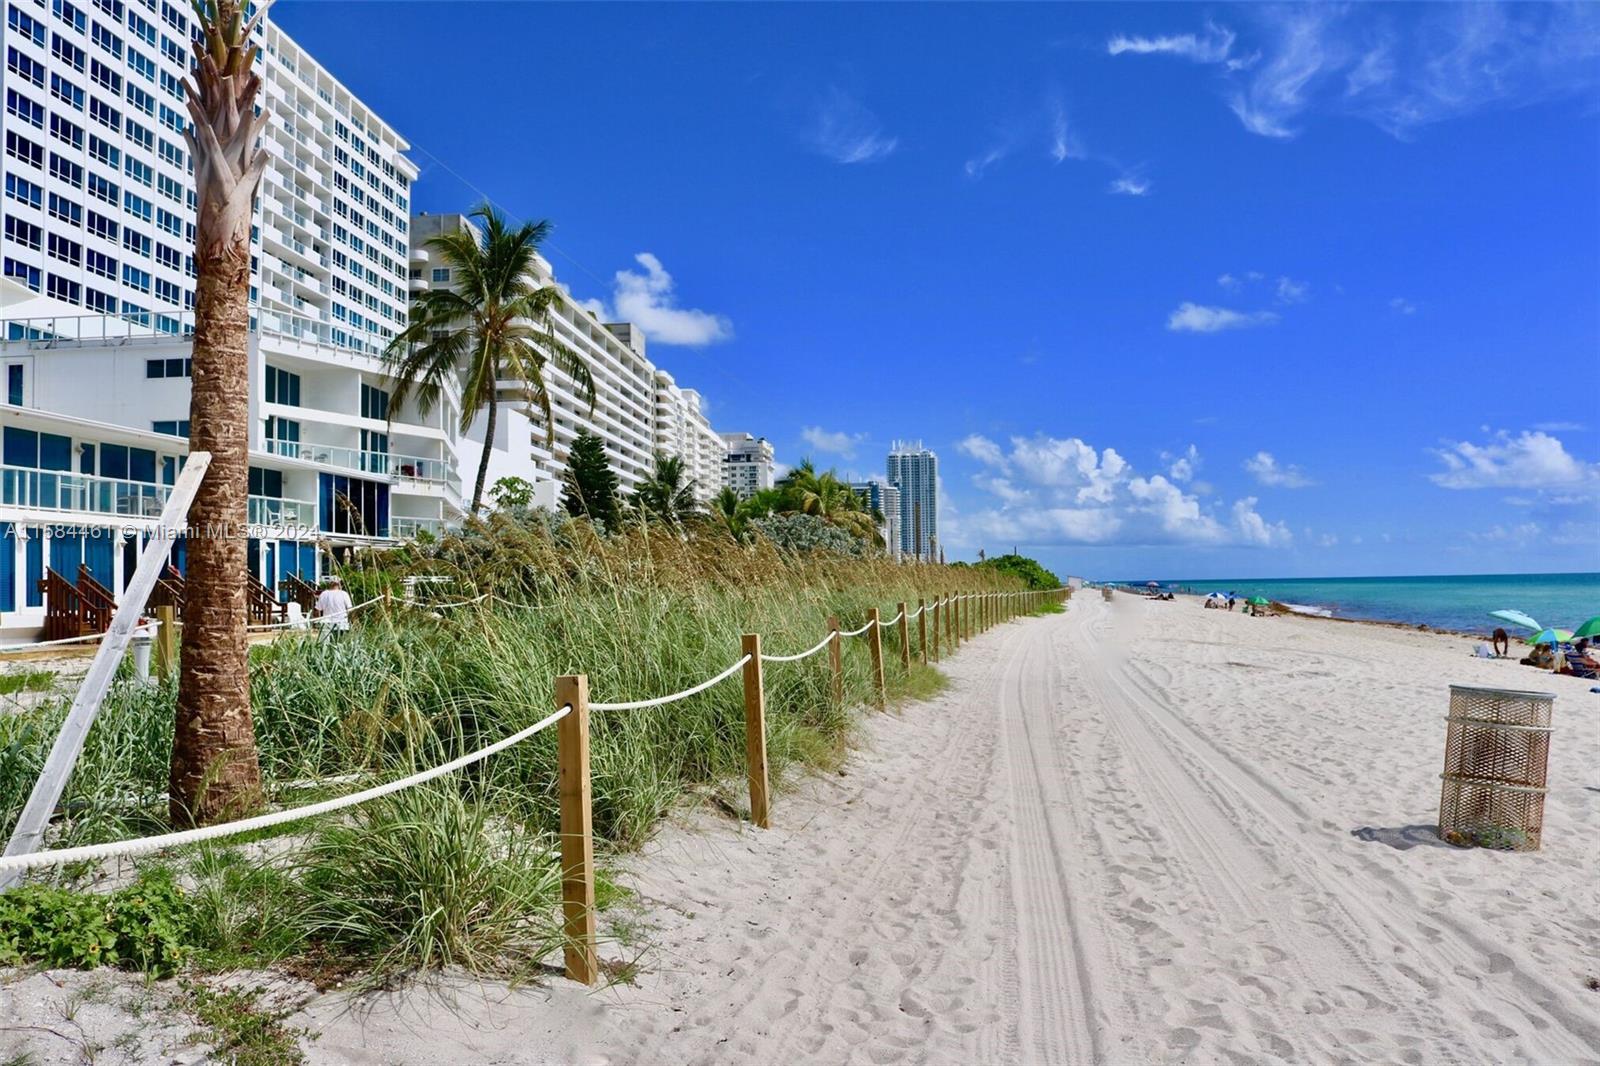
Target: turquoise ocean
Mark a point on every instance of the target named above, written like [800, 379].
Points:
[1461, 603]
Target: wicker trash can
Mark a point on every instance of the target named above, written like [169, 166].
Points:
[1105, 593]
[1496, 751]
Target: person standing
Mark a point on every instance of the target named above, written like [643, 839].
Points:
[333, 606]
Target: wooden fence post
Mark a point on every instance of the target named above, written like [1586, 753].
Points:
[166, 641]
[905, 639]
[577, 830]
[875, 631]
[937, 601]
[836, 660]
[922, 629]
[755, 728]
[957, 623]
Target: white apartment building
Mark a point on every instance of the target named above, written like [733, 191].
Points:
[883, 498]
[97, 289]
[747, 464]
[638, 408]
[914, 470]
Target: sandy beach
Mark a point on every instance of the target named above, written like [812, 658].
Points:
[1139, 831]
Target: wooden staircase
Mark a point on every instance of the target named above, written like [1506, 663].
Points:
[75, 610]
[300, 591]
[264, 606]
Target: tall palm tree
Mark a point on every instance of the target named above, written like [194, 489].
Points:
[731, 513]
[831, 500]
[667, 494]
[214, 772]
[492, 326]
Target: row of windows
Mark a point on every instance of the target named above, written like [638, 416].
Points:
[168, 368]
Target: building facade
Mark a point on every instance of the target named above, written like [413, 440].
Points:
[914, 470]
[884, 499]
[748, 466]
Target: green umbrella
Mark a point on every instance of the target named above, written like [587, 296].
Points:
[1591, 628]
[1260, 601]
[1551, 636]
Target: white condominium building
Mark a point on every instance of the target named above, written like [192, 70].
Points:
[914, 470]
[883, 498]
[638, 408]
[747, 464]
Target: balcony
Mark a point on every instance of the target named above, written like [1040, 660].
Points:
[403, 528]
[289, 515]
[367, 462]
[49, 490]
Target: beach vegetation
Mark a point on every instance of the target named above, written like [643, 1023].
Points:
[1029, 571]
[590, 488]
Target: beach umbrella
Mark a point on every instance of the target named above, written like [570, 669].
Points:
[1152, 584]
[1259, 601]
[1516, 618]
[1591, 628]
[1552, 637]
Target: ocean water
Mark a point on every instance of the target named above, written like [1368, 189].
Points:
[1461, 603]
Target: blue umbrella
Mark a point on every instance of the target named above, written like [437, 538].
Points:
[1516, 618]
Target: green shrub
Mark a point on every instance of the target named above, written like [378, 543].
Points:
[144, 926]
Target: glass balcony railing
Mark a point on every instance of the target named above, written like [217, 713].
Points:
[403, 528]
[51, 490]
[367, 462]
[281, 514]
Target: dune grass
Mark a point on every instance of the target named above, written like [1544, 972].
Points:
[462, 871]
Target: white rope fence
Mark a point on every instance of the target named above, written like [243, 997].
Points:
[796, 658]
[306, 623]
[144, 845]
[856, 632]
[635, 705]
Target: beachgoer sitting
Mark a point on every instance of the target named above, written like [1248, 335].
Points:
[1502, 643]
[1579, 665]
[1541, 656]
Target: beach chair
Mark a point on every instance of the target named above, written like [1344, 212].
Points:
[1582, 666]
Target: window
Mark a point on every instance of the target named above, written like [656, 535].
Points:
[101, 226]
[68, 251]
[66, 92]
[141, 99]
[14, 384]
[173, 154]
[175, 18]
[64, 289]
[171, 119]
[63, 169]
[110, 7]
[374, 403]
[169, 188]
[143, 173]
[103, 75]
[65, 210]
[169, 222]
[168, 292]
[67, 52]
[98, 301]
[140, 135]
[25, 66]
[102, 189]
[169, 257]
[21, 231]
[135, 242]
[25, 273]
[104, 152]
[141, 29]
[174, 51]
[134, 313]
[135, 278]
[66, 132]
[24, 191]
[24, 108]
[19, 147]
[168, 368]
[283, 429]
[19, 21]
[99, 263]
[105, 114]
[137, 206]
[174, 428]
[106, 40]
[68, 13]
[441, 274]
[282, 386]
[142, 64]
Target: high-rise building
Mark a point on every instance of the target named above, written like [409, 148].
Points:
[914, 470]
[883, 498]
[747, 464]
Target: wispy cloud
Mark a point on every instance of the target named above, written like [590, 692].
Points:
[1402, 306]
[1212, 46]
[1290, 291]
[648, 300]
[1129, 185]
[1526, 461]
[978, 164]
[1268, 471]
[1064, 144]
[1199, 318]
[1401, 74]
[832, 442]
[845, 131]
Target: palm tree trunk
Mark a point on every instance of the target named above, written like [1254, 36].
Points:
[493, 408]
[215, 773]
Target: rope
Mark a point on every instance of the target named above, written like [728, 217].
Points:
[635, 705]
[856, 632]
[321, 620]
[895, 620]
[143, 845]
[52, 643]
[457, 603]
[796, 658]
[526, 606]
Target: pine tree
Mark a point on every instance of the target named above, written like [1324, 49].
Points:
[590, 485]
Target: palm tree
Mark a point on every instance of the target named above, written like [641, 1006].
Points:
[666, 494]
[831, 500]
[731, 513]
[492, 326]
[214, 772]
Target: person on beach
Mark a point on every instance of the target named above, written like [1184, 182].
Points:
[333, 606]
[1502, 644]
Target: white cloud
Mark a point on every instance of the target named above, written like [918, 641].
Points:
[1265, 469]
[1064, 144]
[1213, 46]
[1182, 466]
[1051, 490]
[847, 132]
[1129, 185]
[1560, 427]
[832, 442]
[1293, 292]
[1402, 306]
[1198, 318]
[1530, 460]
[1229, 282]
[647, 300]
[976, 166]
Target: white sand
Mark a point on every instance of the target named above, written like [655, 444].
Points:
[1138, 832]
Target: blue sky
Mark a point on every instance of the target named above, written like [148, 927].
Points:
[1179, 290]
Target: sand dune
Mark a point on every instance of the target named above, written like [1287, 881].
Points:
[1140, 831]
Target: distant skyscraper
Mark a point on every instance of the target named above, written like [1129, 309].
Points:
[914, 470]
[747, 464]
[885, 499]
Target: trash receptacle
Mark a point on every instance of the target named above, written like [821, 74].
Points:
[1497, 751]
[1105, 593]
[144, 638]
